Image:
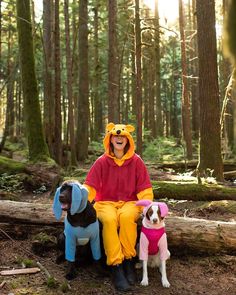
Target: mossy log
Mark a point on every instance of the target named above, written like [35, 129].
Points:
[184, 234]
[192, 191]
[33, 175]
[10, 166]
[182, 165]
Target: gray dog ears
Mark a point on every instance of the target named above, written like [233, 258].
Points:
[79, 200]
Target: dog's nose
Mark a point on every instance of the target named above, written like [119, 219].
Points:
[118, 131]
[154, 220]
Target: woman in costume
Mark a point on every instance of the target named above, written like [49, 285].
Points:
[116, 181]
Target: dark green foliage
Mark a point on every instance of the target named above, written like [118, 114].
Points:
[11, 183]
[52, 283]
[26, 262]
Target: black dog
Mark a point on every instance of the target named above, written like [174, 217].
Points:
[81, 226]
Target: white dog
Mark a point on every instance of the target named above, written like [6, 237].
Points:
[153, 249]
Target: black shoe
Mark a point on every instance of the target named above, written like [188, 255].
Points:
[118, 278]
[129, 270]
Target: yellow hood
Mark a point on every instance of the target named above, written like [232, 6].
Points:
[119, 129]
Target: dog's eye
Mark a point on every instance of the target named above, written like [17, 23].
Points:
[149, 213]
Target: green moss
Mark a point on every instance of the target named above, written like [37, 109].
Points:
[224, 205]
[44, 238]
[193, 191]
[10, 166]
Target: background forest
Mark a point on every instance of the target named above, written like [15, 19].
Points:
[67, 68]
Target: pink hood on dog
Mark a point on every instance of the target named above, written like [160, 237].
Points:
[147, 204]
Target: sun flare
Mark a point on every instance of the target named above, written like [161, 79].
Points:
[168, 9]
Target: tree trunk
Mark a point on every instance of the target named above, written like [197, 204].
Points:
[138, 78]
[194, 73]
[57, 64]
[71, 122]
[98, 101]
[186, 123]
[36, 143]
[174, 123]
[83, 102]
[183, 233]
[210, 137]
[49, 103]
[113, 65]
[157, 57]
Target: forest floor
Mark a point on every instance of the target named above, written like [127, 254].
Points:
[188, 274]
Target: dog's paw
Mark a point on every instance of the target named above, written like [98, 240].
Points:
[138, 265]
[144, 282]
[165, 283]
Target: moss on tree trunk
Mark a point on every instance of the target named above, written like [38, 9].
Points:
[37, 147]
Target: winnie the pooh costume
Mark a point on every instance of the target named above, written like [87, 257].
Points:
[116, 181]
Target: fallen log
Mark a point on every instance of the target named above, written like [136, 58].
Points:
[182, 165]
[192, 191]
[184, 234]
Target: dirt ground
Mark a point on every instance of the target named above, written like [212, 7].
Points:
[188, 275]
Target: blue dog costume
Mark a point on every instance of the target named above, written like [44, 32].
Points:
[76, 235]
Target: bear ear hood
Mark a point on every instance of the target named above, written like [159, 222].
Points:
[119, 129]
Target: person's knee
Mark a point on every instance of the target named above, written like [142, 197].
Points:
[127, 218]
[109, 220]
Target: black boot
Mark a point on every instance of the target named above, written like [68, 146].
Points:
[129, 270]
[118, 278]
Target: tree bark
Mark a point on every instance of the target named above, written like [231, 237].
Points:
[83, 101]
[138, 74]
[71, 122]
[157, 57]
[57, 79]
[210, 137]
[113, 65]
[98, 101]
[37, 147]
[49, 103]
[186, 121]
[183, 233]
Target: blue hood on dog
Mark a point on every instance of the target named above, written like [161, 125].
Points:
[79, 200]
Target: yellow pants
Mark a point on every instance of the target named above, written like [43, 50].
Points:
[119, 229]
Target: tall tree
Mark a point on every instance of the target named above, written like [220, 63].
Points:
[49, 104]
[210, 135]
[71, 124]
[138, 78]
[113, 65]
[186, 123]
[157, 58]
[98, 103]
[194, 72]
[83, 103]
[36, 143]
[57, 146]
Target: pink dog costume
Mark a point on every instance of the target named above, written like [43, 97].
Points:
[153, 236]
